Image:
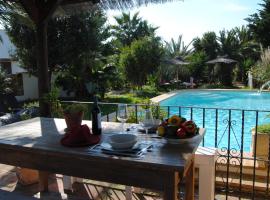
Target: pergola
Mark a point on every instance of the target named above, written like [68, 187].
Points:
[40, 11]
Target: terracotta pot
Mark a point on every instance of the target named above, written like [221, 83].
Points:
[27, 176]
[73, 120]
[262, 147]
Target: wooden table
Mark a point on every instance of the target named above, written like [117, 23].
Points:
[35, 144]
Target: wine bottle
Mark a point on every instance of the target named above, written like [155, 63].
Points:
[96, 118]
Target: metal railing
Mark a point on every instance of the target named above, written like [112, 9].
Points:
[240, 169]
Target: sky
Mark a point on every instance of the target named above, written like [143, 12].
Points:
[192, 18]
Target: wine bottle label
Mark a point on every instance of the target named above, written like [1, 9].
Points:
[99, 120]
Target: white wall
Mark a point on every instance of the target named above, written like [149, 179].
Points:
[16, 69]
[30, 87]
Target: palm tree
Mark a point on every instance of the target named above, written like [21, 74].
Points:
[130, 28]
[178, 48]
[249, 51]
[208, 43]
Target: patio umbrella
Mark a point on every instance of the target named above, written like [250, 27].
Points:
[225, 73]
[179, 61]
[176, 61]
[221, 59]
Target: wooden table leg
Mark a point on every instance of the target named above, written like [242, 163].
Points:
[171, 187]
[189, 188]
[43, 181]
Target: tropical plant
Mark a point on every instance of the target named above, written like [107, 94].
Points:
[129, 28]
[208, 43]
[261, 72]
[197, 66]
[5, 82]
[248, 53]
[74, 108]
[87, 31]
[259, 24]
[141, 59]
[178, 48]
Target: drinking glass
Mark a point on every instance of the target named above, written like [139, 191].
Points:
[146, 121]
[122, 115]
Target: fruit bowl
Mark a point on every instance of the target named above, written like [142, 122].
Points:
[183, 140]
[177, 130]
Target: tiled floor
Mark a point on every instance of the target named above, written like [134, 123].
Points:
[89, 190]
[82, 191]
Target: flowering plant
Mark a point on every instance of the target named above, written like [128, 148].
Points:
[177, 127]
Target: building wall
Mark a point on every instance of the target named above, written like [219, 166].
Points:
[15, 68]
[30, 83]
[30, 87]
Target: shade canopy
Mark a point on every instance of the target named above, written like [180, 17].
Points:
[221, 59]
[176, 61]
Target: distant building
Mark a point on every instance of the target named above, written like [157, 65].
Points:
[26, 84]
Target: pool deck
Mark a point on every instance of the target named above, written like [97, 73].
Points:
[162, 97]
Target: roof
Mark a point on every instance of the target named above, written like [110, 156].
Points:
[6, 47]
[221, 59]
[107, 4]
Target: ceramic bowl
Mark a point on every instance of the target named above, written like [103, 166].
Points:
[122, 141]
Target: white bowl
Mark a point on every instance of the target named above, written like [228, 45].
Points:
[122, 141]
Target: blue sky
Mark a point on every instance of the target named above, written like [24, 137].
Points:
[192, 18]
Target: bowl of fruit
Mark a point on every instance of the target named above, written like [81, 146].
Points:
[177, 130]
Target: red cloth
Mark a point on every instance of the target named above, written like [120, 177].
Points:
[80, 136]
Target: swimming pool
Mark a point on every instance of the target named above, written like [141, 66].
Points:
[214, 107]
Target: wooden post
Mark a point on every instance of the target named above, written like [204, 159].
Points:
[189, 191]
[43, 70]
[171, 186]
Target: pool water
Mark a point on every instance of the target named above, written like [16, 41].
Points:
[223, 101]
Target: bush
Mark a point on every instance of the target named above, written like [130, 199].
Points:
[264, 128]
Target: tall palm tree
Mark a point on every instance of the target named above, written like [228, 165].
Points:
[129, 28]
[249, 51]
[177, 47]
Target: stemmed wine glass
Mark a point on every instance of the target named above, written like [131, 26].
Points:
[146, 120]
[122, 115]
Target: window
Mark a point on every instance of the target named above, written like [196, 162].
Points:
[6, 66]
[18, 84]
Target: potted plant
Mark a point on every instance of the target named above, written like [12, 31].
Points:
[262, 147]
[73, 115]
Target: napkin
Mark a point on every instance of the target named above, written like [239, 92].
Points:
[80, 136]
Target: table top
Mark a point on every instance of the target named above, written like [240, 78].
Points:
[42, 136]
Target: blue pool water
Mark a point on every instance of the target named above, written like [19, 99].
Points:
[223, 100]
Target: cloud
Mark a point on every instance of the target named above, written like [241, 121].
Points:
[235, 7]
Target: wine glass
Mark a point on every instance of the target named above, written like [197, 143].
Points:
[122, 114]
[146, 120]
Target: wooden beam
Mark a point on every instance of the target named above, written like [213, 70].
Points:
[31, 9]
[48, 9]
[68, 2]
[41, 10]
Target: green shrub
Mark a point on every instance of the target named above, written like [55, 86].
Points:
[74, 108]
[264, 128]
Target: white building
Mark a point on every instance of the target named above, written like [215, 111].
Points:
[26, 84]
